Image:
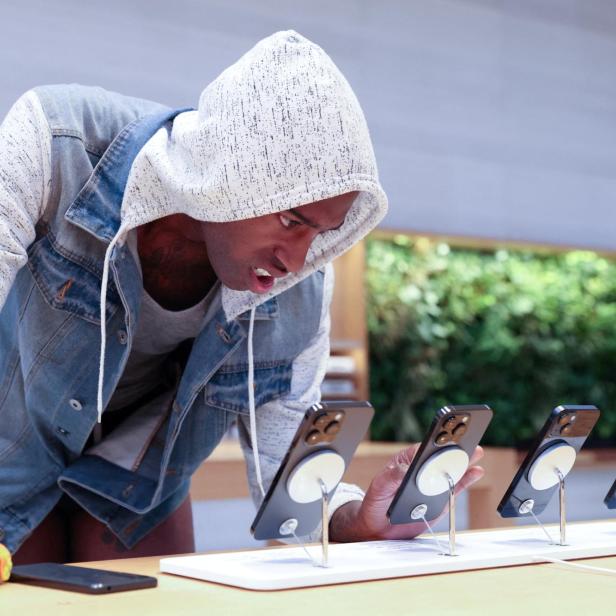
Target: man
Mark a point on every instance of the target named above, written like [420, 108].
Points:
[167, 271]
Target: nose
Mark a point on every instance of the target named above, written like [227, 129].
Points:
[292, 255]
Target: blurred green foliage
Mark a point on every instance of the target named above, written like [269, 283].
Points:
[518, 330]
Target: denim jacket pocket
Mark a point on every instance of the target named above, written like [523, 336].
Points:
[228, 388]
[67, 284]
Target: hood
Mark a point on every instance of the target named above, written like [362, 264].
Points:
[278, 129]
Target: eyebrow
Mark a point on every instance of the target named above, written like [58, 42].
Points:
[311, 223]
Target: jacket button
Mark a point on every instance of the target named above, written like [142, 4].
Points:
[222, 332]
[75, 404]
[122, 336]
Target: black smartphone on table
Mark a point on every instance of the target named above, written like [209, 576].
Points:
[454, 427]
[334, 428]
[567, 425]
[79, 579]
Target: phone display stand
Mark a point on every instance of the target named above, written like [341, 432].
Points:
[313, 478]
[551, 467]
[277, 569]
[440, 473]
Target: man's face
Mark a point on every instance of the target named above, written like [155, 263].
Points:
[250, 254]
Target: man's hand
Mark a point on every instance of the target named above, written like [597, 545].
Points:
[367, 520]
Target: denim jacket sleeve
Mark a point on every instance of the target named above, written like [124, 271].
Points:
[277, 420]
[25, 177]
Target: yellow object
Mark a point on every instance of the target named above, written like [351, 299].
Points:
[6, 564]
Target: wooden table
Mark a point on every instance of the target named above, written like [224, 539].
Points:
[518, 591]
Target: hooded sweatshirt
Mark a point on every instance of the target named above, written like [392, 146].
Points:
[278, 129]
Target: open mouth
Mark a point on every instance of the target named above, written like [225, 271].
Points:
[263, 281]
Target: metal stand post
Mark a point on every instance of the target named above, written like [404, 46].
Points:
[437, 475]
[528, 505]
[561, 506]
[549, 468]
[324, 524]
[288, 527]
[312, 479]
[452, 516]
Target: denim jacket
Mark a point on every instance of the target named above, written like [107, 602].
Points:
[49, 340]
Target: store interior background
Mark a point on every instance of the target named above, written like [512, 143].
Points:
[494, 124]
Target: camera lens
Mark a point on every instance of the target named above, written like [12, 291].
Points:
[566, 429]
[450, 423]
[460, 429]
[321, 421]
[332, 428]
[313, 437]
[442, 438]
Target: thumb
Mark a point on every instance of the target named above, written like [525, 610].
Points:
[385, 484]
[472, 475]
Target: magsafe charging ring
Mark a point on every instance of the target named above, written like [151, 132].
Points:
[303, 483]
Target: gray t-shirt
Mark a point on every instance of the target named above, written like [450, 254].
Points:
[158, 333]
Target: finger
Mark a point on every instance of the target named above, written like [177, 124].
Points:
[405, 456]
[477, 455]
[385, 484]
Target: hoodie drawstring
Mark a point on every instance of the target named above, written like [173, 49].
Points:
[101, 366]
[251, 403]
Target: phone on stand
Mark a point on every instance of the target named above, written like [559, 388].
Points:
[79, 579]
[453, 427]
[332, 428]
[567, 425]
[610, 497]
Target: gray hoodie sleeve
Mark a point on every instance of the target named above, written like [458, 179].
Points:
[25, 175]
[277, 421]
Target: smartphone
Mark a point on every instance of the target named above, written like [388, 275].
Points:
[610, 497]
[566, 424]
[79, 579]
[328, 427]
[459, 427]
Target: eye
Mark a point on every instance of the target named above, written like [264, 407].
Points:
[287, 222]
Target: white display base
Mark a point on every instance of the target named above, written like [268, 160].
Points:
[275, 569]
